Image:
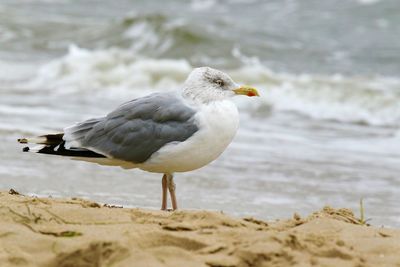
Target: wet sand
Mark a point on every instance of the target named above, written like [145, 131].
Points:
[76, 232]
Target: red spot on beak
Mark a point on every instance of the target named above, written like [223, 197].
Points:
[251, 94]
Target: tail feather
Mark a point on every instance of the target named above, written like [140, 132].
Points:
[54, 144]
[79, 130]
[48, 139]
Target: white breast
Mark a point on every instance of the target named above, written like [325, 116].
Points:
[218, 122]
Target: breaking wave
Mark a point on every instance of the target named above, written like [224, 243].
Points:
[366, 100]
[155, 34]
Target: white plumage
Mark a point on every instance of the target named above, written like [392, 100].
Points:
[218, 122]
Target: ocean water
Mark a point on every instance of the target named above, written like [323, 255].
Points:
[325, 130]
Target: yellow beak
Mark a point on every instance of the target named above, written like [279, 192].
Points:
[246, 90]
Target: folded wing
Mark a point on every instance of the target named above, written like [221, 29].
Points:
[136, 129]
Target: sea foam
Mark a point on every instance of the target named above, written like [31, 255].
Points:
[371, 100]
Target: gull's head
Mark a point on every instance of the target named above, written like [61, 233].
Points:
[207, 85]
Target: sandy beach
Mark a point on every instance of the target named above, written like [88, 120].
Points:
[323, 134]
[75, 232]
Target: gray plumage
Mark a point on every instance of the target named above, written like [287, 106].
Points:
[136, 129]
[162, 133]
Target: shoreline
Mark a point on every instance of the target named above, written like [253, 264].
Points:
[76, 232]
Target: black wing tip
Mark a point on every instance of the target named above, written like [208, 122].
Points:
[22, 140]
[25, 149]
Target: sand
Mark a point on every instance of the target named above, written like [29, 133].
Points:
[76, 232]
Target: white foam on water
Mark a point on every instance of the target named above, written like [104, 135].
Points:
[365, 100]
[368, 2]
[11, 72]
[85, 70]
[202, 4]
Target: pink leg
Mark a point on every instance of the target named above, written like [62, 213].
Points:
[164, 192]
[172, 187]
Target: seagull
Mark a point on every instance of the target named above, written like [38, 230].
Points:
[165, 133]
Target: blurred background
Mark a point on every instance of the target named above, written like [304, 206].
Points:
[325, 131]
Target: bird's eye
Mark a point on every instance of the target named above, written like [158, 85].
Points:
[219, 82]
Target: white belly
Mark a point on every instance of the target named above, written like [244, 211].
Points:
[218, 123]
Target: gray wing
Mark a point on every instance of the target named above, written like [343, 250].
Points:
[136, 129]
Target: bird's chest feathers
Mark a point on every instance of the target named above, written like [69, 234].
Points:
[218, 123]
